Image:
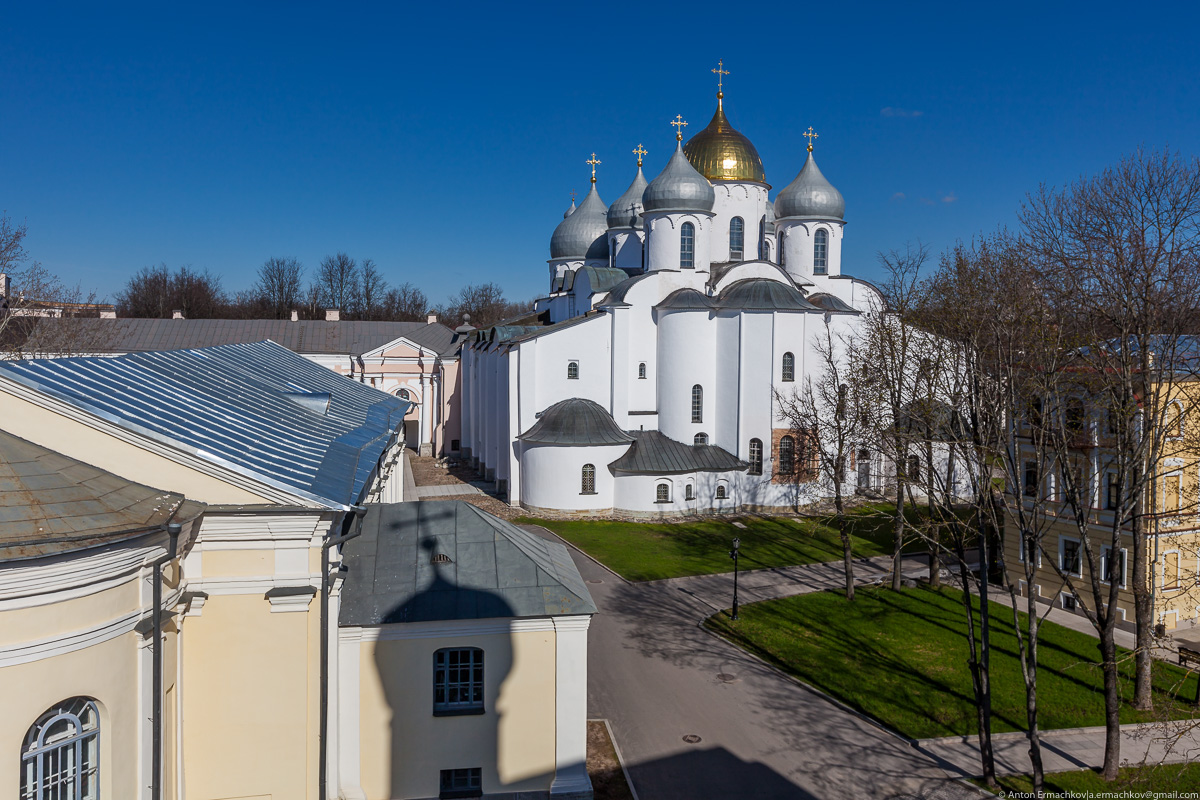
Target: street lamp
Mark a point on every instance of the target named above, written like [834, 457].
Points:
[734, 555]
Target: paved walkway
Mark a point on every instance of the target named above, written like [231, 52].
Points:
[446, 490]
[658, 678]
[1073, 748]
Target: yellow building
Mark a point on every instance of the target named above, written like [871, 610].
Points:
[262, 464]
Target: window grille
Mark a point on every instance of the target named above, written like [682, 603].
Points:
[404, 395]
[642, 371]
[737, 238]
[697, 403]
[458, 681]
[721, 492]
[700, 438]
[60, 759]
[687, 246]
[662, 493]
[820, 247]
[687, 493]
[461, 783]
[756, 457]
[589, 479]
[572, 370]
[789, 367]
[787, 456]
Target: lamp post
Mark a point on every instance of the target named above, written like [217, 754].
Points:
[734, 555]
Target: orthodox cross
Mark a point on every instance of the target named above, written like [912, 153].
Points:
[572, 197]
[639, 151]
[810, 136]
[721, 73]
[593, 161]
[679, 126]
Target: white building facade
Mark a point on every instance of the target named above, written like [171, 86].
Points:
[644, 383]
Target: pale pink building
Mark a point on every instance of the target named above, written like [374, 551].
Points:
[416, 361]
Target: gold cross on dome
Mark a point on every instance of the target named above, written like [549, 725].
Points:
[810, 136]
[572, 197]
[679, 126]
[639, 151]
[721, 73]
[593, 161]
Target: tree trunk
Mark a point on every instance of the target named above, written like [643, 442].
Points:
[1030, 668]
[987, 758]
[1112, 705]
[985, 662]
[898, 528]
[1143, 612]
[847, 556]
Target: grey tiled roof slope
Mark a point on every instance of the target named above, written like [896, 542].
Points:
[653, 453]
[305, 336]
[496, 569]
[230, 405]
[575, 421]
[51, 504]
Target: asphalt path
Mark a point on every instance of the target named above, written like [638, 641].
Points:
[697, 718]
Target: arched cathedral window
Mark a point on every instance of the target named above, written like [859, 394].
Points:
[787, 456]
[700, 438]
[756, 457]
[687, 246]
[642, 371]
[572, 370]
[60, 756]
[820, 249]
[789, 367]
[697, 403]
[588, 480]
[737, 238]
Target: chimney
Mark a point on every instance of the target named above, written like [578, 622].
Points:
[5, 285]
[295, 315]
[108, 315]
[432, 318]
[333, 315]
[177, 314]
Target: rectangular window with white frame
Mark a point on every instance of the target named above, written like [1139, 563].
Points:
[1112, 567]
[1070, 558]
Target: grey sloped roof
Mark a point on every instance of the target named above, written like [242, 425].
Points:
[686, 300]
[230, 405]
[763, 294]
[495, 569]
[575, 421]
[830, 302]
[616, 295]
[601, 279]
[304, 336]
[51, 504]
[653, 453]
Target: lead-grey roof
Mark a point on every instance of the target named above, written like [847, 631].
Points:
[810, 195]
[230, 405]
[583, 234]
[600, 279]
[575, 421]
[626, 212]
[52, 504]
[686, 299]
[679, 187]
[495, 569]
[304, 336]
[653, 453]
[763, 294]
[831, 302]
[616, 295]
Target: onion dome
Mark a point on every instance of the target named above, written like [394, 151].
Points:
[810, 195]
[763, 294]
[722, 154]
[583, 234]
[627, 211]
[679, 187]
[570, 210]
[575, 421]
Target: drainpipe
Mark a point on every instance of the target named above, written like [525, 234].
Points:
[355, 515]
[173, 531]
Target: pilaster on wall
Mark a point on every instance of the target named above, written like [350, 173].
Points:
[571, 780]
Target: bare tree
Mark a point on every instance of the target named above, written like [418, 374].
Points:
[337, 282]
[372, 289]
[484, 303]
[405, 303]
[157, 292]
[279, 286]
[828, 416]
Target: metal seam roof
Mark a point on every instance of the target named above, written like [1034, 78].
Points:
[653, 453]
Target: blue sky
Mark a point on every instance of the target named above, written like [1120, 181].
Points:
[443, 139]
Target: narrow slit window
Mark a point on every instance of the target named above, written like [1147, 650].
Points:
[687, 246]
[789, 367]
[787, 456]
[756, 457]
[737, 238]
[642, 371]
[820, 248]
[588, 479]
[572, 370]
[697, 403]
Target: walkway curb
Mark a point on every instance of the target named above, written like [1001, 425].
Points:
[612, 739]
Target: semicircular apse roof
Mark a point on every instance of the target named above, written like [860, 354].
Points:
[763, 294]
[575, 421]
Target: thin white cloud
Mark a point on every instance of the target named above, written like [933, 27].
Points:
[898, 196]
[892, 111]
[950, 198]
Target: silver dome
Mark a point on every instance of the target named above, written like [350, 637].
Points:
[570, 210]
[679, 187]
[810, 195]
[627, 211]
[584, 234]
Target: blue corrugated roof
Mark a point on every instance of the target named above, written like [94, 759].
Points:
[230, 405]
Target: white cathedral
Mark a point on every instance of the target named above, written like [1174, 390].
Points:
[643, 384]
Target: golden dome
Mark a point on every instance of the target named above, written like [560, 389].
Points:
[720, 153]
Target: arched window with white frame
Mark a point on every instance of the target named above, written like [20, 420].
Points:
[572, 370]
[737, 238]
[700, 438]
[721, 492]
[756, 457]
[662, 493]
[789, 368]
[60, 757]
[687, 246]
[820, 252]
[588, 479]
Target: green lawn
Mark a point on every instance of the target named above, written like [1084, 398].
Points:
[901, 657]
[1170, 779]
[641, 551]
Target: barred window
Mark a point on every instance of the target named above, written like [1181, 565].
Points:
[697, 403]
[789, 367]
[461, 783]
[458, 681]
[787, 456]
[572, 370]
[721, 491]
[588, 480]
[820, 247]
[642, 371]
[688, 493]
[60, 757]
[700, 438]
[756, 457]
[663, 493]
[687, 246]
[737, 238]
